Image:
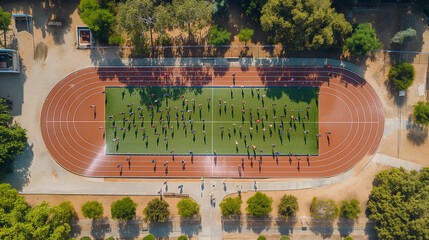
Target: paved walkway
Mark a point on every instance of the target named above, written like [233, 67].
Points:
[396, 162]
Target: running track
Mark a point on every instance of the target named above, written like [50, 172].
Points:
[348, 107]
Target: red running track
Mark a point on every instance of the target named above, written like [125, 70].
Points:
[349, 108]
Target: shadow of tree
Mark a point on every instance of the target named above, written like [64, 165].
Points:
[20, 176]
[100, 227]
[286, 225]
[324, 228]
[191, 226]
[417, 134]
[258, 224]
[345, 227]
[129, 229]
[161, 230]
[231, 223]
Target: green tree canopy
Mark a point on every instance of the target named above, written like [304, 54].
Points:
[22, 222]
[253, 9]
[348, 238]
[4, 22]
[218, 35]
[245, 35]
[182, 237]
[12, 139]
[285, 237]
[304, 24]
[192, 14]
[149, 237]
[350, 210]
[123, 209]
[187, 208]
[288, 206]
[99, 20]
[421, 113]
[156, 211]
[262, 237]
[231, 206]
[92, 209]
[85, 238]
[259, 204]
[405, 35]
[402, 75]
[399, 204]
[362, 40]
[324, 209]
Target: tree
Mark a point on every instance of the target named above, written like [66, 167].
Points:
[231, 206]
[303, 24]
[405, 35]
[348, 238]
[399, 204]
[245, 35]
[92, 209]
[262, 237]
[421, 113]
[187, 208]
[220, 8]
[402, 75]
[192, 14]
[99, 20]
[85, 238]
[350, 210]
[321, 209]
[149, 237]
[12, 139]
[362, 40]
[124, 209]
[288, 206]
[137, 16]
[182, 237]
[253, 9]
[4, 22]
[156, 211]
[284, 237]
[259, 204]
[20, 221]
[218, 35]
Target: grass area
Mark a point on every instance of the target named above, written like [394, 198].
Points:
[204, 120]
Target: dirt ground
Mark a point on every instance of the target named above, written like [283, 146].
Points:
[78, 200]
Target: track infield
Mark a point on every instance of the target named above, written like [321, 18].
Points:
[206, 120]
[350, 123]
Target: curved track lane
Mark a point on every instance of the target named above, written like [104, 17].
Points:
[349, 108]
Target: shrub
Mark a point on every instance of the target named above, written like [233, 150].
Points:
[348, 238]
[402, 75]
[261, 237]
[110, 238]
[116, 40]
[405, 35]
[350, 210]
[284, 237]
[92, 209]
[165, 40]
[187, 208]
[421, 113]
[362, 40]
[288, 206]
[85, 238]
[156, 211]
[259, 204]
[124, 209]
[218, 35]
[230, 206]
[320, 209]
[245, 35]
[149, 237]
[182, 237]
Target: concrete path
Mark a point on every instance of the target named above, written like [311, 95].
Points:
[396, 162]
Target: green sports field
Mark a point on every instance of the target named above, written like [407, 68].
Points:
[204, 120]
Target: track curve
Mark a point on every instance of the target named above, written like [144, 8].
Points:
[349, 108]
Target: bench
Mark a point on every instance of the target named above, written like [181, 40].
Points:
[55, 24]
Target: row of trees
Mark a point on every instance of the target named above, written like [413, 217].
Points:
[125, 209]
[260, 204]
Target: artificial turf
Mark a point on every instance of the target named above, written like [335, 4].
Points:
[208, 120]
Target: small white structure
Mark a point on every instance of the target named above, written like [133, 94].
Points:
[84, 37]
[9, 61]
